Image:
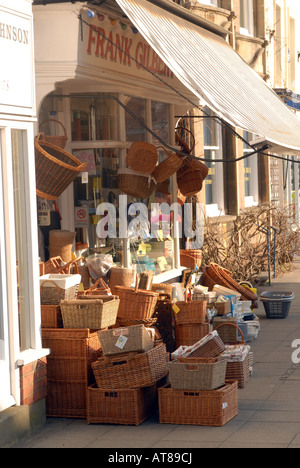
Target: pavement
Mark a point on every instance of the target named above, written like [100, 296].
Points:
[269, 406]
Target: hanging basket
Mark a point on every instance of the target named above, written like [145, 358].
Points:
[57, 140]
[135, 184]
[142, 157]
[167, 168]
[55, 169]
[187, 148]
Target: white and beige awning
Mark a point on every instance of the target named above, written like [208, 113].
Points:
[209, 67]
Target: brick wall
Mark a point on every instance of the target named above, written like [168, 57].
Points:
[33, 382]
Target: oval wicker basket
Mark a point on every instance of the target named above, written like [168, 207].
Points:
[168, 167]
[55, 169]
[135, 184]
[142, 157]
[58, 140]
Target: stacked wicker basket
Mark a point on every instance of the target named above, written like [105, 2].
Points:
[199, 392]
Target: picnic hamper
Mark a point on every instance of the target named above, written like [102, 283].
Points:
[94, 314]
[136, 184]
[142, 157]
[56, 288]
[131, 370]
[198, 407]
[197, 373]
[56, 169]
[138, 338]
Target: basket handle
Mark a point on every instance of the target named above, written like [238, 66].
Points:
[68, 266]
[233, 325]
[181, 142]
[56, 121]
[100, 281]
[164, 295]
[53, 282]
[191, 367]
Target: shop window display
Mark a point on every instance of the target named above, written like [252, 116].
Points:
[96, 130]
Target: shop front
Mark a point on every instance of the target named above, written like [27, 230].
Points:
[20, 341]
[116, 93]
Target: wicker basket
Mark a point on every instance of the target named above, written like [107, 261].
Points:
[225, 328]
[136, 304]
[209, 346]
[128, 406]
[142, 157]
[119, 276]
[190, 311]
[187, 146]
[200, 408]
[57, 140]
[55, 169]
[191, 259]
[53, 265]
[238, 369]
[131, 370]
[189, 182]
[190, 333]
[196, 375]
[146, 280]
[100, 288]
[51, 316]
[56, 288]
[138, 339]
[93, 314]
[60, 245]
[168, 167]
[69, 371]
[223, 277]
[135, 184]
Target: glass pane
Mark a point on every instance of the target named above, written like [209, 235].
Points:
[18, 149]
[101, 186]
[211, 129]
[210, 181]
[134, 129]
[94, 118]
[160, 120]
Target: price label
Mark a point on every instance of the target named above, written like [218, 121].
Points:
[122, 340]
[176, 309]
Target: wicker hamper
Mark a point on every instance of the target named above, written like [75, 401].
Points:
[197, 374]
[189, 311]
[136, 338]
[227, 332]
[131, 370]
[201, 408]
[51, 316]
[128, 406]
[94, 314]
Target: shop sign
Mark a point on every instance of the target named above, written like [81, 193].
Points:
[16, 58]
[115, 47]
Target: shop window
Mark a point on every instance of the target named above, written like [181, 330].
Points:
[214, 193]
[210, 2]
[154, 249]
[250, 173]
[246, 17]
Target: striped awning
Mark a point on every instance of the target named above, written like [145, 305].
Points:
[210, 68]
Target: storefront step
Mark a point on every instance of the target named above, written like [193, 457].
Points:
[19, 422]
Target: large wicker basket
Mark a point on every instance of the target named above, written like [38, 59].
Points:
[94, 314]
[197, 374]
[136, 304]
[56, 288]
[200, 408]
[191, 259]
[190, 311]
[138, 339]
[55, 169]
[132, 370]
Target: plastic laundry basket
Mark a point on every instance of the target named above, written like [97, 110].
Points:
[277, 304]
